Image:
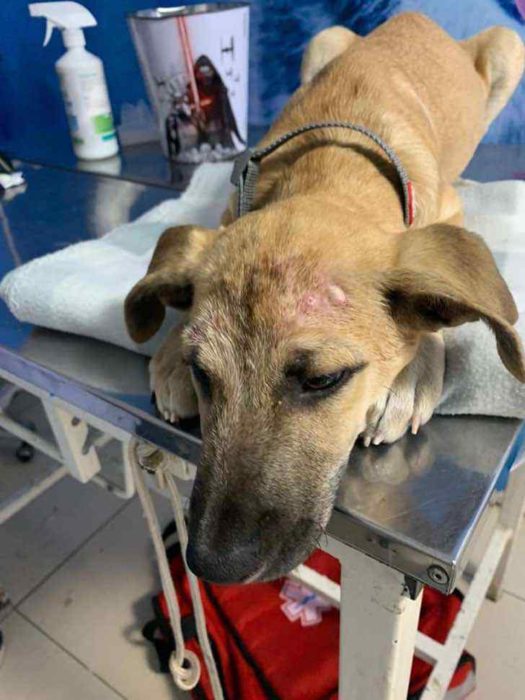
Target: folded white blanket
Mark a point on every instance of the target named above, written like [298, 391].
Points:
[81, 289]
[476, 382]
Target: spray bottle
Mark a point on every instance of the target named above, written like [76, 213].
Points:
[82, 80]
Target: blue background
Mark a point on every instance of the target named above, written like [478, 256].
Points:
[31, 107]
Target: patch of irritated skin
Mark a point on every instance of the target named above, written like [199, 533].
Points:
[323, 300]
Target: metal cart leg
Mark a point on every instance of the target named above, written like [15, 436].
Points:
[446, 656]
[510, 518]
[377, 630]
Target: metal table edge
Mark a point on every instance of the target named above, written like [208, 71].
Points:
[400, 553]
[72, 169]
[86, 399]
[359, 533]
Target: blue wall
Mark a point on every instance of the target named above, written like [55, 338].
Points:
[282, 27]
[30, 102]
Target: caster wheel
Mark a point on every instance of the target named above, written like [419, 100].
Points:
[25, 452]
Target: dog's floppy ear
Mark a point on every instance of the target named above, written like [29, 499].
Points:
[446, 276]
[169, 280]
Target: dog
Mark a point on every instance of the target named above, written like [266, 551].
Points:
[315, 318]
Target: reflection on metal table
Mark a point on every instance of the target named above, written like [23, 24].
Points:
[414, 506]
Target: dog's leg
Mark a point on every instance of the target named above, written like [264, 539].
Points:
[412, 398]
[171, 380]
[323, 48]
[498, 55]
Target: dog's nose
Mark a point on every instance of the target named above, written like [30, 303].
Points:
[220, 565]
[226, 541]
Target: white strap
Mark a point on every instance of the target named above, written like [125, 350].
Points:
[184, 664]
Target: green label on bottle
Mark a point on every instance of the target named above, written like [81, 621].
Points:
[103, 124]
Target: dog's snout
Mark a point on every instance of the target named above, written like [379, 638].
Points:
[227, 550]
[217, 565]
[227, 543]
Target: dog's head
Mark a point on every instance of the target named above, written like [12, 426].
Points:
[292, 336]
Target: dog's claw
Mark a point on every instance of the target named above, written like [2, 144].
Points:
[367, 440]
[413, 396]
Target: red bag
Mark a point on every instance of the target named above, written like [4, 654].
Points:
[262, 654]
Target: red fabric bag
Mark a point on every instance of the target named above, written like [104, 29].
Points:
[263, 655]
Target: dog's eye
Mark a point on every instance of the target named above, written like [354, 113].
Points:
[324, 381]
[202, 378]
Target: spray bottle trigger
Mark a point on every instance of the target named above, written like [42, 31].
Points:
[49, 30]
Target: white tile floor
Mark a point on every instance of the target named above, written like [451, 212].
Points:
[79, 567]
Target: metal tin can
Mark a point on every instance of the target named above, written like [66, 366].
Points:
[194, 60]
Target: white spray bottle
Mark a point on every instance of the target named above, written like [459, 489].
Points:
[82, 80]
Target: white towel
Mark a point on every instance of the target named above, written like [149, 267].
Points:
[81, 289]
[476, 382]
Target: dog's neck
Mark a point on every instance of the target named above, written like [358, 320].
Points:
[313, 165]
[370, 186]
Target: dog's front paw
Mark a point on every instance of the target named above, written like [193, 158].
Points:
[170, 380]
[412, 398]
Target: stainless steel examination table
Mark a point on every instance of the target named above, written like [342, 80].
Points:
[429, 509]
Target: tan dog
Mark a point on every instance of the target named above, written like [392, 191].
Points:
[313, 319]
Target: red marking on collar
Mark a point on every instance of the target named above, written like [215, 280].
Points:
[411, 203]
